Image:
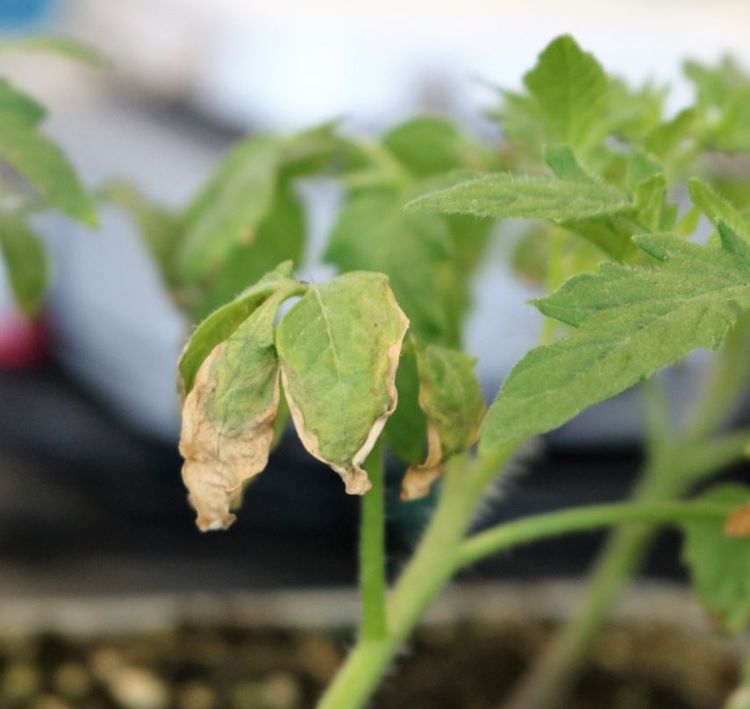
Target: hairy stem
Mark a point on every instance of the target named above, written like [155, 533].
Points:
[581, 519]
[431, 567]
[372, 581]
[673, 464]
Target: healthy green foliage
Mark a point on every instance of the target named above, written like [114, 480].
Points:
[339, 348]
[629, 323]
[571, 90]
[26, 261]
[526, 197]
[19, 104]
[720, 564]
[279, 236]
[717, 208]
[228, 210]
[415, 250]
[45, 166]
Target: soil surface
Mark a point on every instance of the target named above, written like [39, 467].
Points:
[457, 666]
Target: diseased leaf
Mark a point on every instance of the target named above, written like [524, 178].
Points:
[630, 322]
[525, 197]
[20, 104]
[26, 262]
[280, 237]
[414, 250]
[451, 399]
[228, 416]
[70, 48]
[719, 563]
[160, 228]
[717, 208]
[220, 324]
[571, 90]
[339, 348]
[45, 166]
[229, 209]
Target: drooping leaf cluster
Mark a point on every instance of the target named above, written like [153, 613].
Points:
[585, 160]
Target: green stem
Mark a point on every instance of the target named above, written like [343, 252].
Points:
[432, 565]
[372, 581]
[672, 466]
[581, 519]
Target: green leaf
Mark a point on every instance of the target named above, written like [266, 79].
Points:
[561, 159]
[525, 197]
[653, 210]
[280, 237]
[667, 138]
[69, 48]
[717, 208]
[229, 209]
[630, 322]
[339, 348]
[45, 166]
[450, 397]
[26, 262]
[430, 146]
[571, 90]
[218, 326]
[414, 250]
[406, 430]
[228, 417]
[20, 104]
[160, 228]
[719, 563]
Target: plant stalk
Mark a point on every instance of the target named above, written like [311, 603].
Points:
[431, 567]
[372, 581]
[674, 463]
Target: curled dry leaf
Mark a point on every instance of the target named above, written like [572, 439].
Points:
[450, 397]
[228, 417]
[339, 348]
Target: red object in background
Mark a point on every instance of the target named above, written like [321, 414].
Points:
[23, 343]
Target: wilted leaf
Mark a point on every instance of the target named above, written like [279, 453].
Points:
[228, 416]
[451, 399]
[218, 326]
[630, 322]
[720, 564]
[45, 166]
[406, 430]
[26, 262]
[339, 348]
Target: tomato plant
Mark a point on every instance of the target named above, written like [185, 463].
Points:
[612, 191]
